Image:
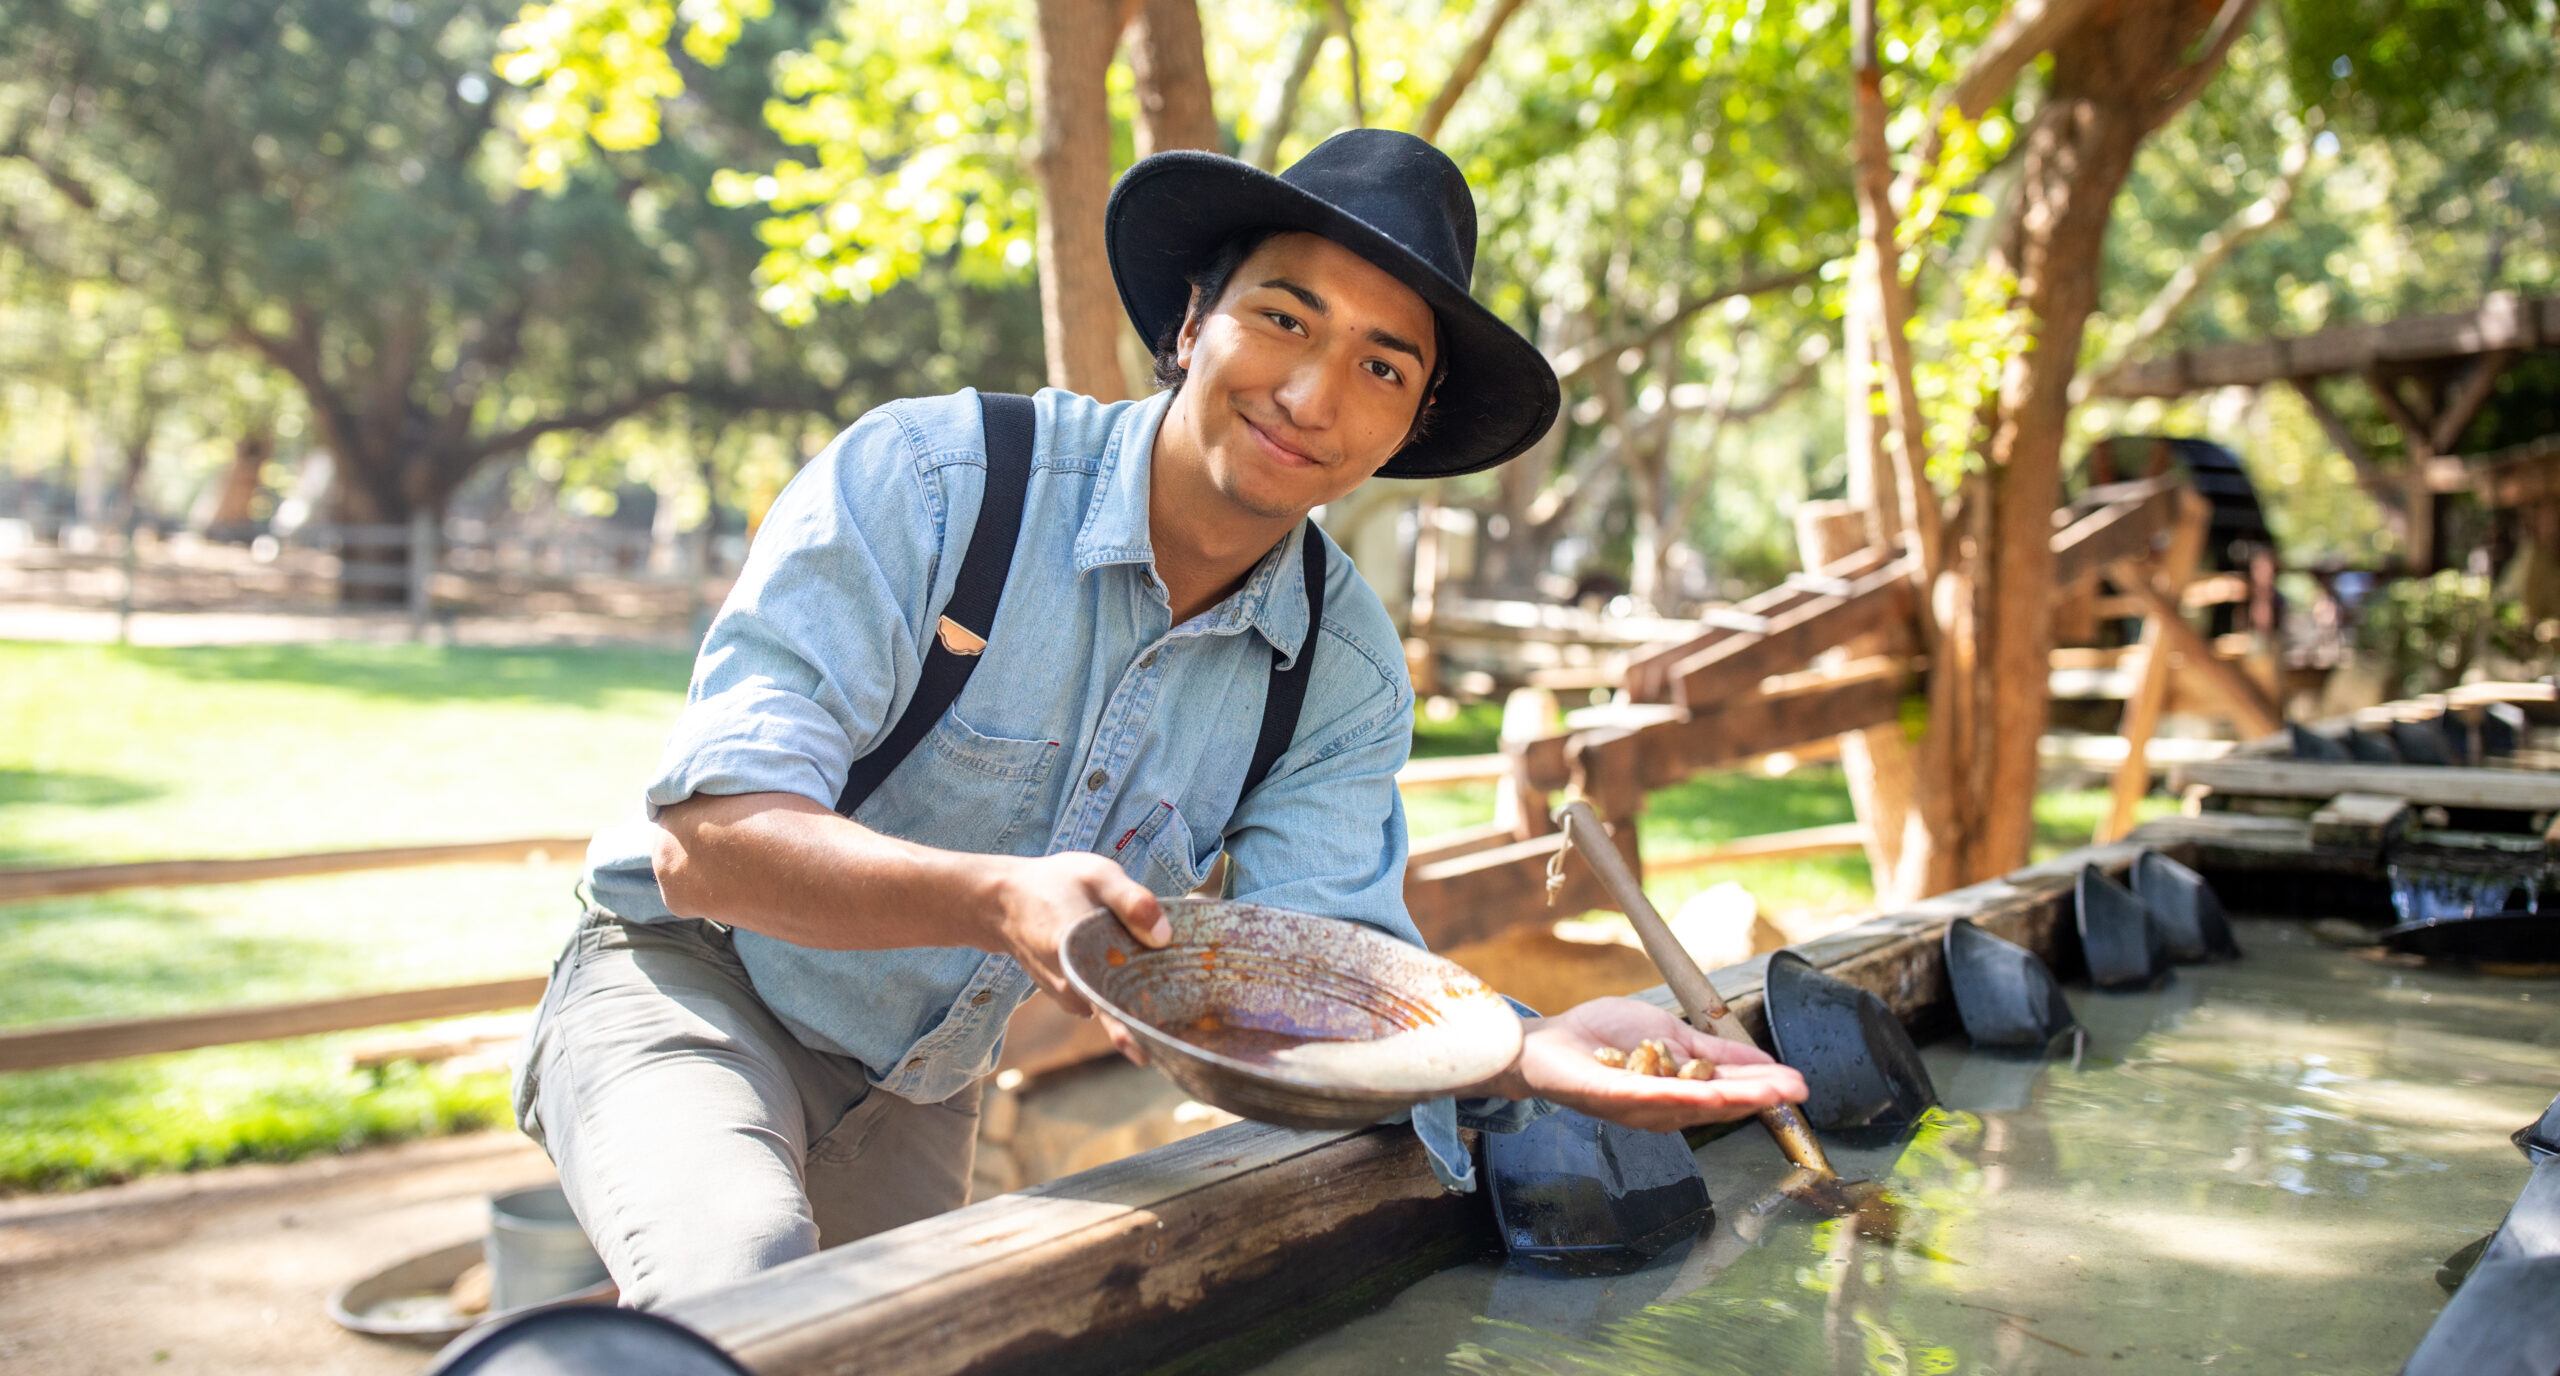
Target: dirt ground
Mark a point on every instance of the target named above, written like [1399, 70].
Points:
[229, 1271]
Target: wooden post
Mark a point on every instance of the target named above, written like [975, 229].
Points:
[422, 563]
[1528, 715]
[1880, 764]
[2176, 567]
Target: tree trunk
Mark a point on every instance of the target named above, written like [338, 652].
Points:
[1080, 319]
[2119, 71]
[249, 455]
[1172, 73]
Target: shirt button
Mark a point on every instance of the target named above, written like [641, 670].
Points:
[1149, 662]
[1097, 778]
[979, 999]
[916, 1064]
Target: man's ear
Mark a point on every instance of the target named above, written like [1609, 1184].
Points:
[1190, 333]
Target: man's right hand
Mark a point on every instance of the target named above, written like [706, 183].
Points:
[1036, 901]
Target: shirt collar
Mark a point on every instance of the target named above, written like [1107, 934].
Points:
[1273, 599]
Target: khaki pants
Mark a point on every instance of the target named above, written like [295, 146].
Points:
[698, 1141]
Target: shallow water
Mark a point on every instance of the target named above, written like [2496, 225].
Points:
[2256, 1168]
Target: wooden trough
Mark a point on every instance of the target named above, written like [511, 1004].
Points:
[1200, 1255]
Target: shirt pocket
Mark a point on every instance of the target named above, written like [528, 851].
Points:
[1174, 868]
[973, 792]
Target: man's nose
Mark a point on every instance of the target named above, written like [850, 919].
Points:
[1309, 394]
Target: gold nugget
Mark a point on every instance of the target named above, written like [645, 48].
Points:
[1697, 1070]
[1610, 1056]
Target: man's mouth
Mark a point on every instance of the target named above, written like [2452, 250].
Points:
[1280, 453]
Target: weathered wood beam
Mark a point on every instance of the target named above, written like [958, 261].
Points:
[17, 885]
[2120, 529]
[2175, 567]
[1788, 710]
[2501, 322]
[2365, 822]
[1798, 844]
[2522, 475]
[2247, 700]
[38, 1048]
[1880, 603]
[2426, 785]
[1649, 674]
[1484, 894]
[2466, 399]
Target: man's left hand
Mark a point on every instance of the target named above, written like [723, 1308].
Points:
[1556, 1064]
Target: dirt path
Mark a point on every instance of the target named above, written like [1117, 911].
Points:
[229, 1271]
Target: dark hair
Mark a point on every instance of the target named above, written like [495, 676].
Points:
[1209, 283]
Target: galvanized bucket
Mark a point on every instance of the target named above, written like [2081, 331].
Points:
[536, 1250]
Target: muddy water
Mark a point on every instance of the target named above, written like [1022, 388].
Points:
[2257, 1168]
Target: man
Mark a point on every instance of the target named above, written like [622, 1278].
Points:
[767, 1035]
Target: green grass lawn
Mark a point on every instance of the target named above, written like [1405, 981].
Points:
[111, 754]
[130, 754]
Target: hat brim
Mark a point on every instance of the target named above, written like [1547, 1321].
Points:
[1172, 211]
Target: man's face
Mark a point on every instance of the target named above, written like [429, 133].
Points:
[1305, 375]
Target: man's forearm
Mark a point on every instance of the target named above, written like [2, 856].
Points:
[779, 864]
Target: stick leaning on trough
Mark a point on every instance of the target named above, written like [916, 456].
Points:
[1813, 1181]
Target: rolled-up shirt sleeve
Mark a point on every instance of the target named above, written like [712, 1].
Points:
[818, 644]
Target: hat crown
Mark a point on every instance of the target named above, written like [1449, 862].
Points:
[1402, 187]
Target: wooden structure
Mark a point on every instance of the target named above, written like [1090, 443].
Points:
[1221, 1246]
[2429, 374]
[1199, 1255]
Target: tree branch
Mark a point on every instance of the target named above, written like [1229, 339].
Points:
[2026, 31]
[594, 418]
[1574, 363]
[1880, 251]
[1265, 152]
[1462, 75]
[1351, 58]
[2188, 81]
[2211, 252]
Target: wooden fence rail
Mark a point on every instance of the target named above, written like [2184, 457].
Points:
[58, 881]
[39, 1048]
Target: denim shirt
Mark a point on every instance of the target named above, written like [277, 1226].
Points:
[1091, 722]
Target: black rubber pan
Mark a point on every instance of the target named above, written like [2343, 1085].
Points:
[2007, 998]
[1575, 1194]
[2501, 1323]
[586, 1340]
[1860, 1067]
[2117, 934]
[2487, 938]
[2311, 745]
[2192, 925]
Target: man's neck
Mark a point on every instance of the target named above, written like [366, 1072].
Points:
[1204, 543]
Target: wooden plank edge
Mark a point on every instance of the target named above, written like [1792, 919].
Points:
[18, 885]
[59, 1044]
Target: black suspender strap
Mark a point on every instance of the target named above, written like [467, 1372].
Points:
[1288, 691]
[970, 617]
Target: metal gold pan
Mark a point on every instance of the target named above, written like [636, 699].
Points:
[1286, 1018]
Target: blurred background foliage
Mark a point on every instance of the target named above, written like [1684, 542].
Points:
[673, 246]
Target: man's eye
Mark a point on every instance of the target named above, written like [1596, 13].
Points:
[1383, 369]
[1285, 321]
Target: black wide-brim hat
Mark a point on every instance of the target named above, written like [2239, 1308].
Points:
[1387, 196]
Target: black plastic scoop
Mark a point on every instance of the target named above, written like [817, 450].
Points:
[2532, 1229]
[1860, 1067]
[2372, 747]
[2007, 998]
[2117, 935]
[1575, 1194]
[585, 1340]
[2540, 1140]
[2189, 914]
[2311, 745]
[2508, 938]
[2501, 1323]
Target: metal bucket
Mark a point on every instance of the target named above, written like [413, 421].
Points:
[536, 1250]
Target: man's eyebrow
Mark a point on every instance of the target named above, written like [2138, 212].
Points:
[1312, 301]
[1398, 343]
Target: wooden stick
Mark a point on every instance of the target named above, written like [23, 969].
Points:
[17, 885]
[38, 1048]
